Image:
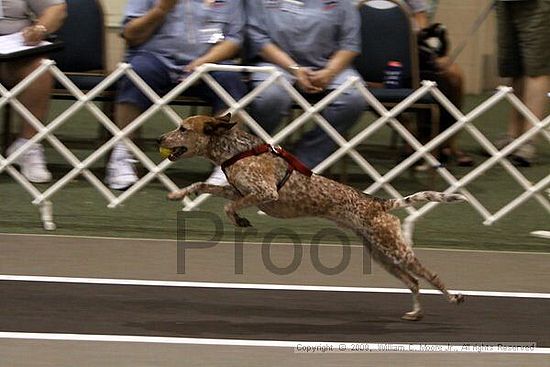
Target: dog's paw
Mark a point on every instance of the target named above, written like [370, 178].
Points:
[457, 299]
[242, 222]
[177, 195]
[413, 316]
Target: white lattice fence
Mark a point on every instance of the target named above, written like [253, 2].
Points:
[387, 117]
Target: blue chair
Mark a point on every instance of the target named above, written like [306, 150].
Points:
[387, 34]
[83, 57]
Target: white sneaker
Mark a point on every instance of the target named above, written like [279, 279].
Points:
[32, 162]
[121, 172]
[217, 177]
[524, 155]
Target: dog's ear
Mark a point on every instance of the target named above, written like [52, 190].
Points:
[224, 118]
[217, 127]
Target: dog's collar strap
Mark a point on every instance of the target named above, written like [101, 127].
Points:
[293, 162]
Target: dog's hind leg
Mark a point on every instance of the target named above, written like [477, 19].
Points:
[411, 282]
[414, 265]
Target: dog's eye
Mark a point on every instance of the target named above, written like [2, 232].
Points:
[182, 129]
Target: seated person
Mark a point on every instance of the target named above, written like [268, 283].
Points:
[450, 80]
[18, 16]
[167, 40]
[313, 43]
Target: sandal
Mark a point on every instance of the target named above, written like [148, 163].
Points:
[463, 159]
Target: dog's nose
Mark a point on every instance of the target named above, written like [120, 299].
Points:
[159, 140]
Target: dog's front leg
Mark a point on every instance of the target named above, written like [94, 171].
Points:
[227, 192]
[252, 199]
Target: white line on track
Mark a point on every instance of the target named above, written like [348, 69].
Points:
[275, 287]
[168, 240]
[298, 346]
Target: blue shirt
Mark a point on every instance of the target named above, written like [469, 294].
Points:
[310, 31]
[190, 29]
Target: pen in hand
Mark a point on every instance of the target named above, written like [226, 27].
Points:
[34, 34]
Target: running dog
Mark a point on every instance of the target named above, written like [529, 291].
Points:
[276, 182]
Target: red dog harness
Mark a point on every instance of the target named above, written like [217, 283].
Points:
[293, 163]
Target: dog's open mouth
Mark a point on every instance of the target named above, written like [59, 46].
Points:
[172, 153]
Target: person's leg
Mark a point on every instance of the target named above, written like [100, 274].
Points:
[270, 107]
[36, 98]
[232, 83]
[130, 103]
[533, 92]
[451, 83]
[273, 104]
[535, 96]
[516, 120]
[126, 113]
[130, 100]
[315, 146]
[533, 38]
[509, 64]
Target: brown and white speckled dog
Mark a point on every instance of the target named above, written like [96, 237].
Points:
[256, 181]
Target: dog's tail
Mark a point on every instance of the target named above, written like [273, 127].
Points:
[423, 196]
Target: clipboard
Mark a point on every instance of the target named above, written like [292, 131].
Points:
[12, 47]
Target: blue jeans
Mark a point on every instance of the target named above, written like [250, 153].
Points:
[269, 108]
[160, 78]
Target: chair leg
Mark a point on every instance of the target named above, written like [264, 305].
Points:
[108, 108]
[427, 129]
[394, 137]
[6, 140]
[435, 117]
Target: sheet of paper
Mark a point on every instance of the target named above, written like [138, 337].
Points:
[14, 42]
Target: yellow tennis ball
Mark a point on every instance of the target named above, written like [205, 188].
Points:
[165, 152]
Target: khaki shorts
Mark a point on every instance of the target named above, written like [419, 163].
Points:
[523, 38]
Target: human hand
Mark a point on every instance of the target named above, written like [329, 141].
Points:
[34, 34]
[321, 78]
[443, 62]
[189, 68]
[166, 5]
[303, 81]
